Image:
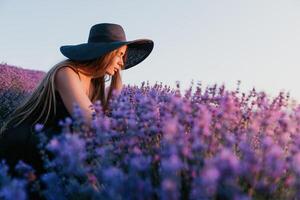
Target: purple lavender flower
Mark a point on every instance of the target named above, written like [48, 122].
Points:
[54, 187]
[296, 163]
[213, 143]
[169, 189]
[14, 190]
[38, 127]
[70, 152]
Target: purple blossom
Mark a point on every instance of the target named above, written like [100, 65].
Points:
[210, 175]
[162, 144]
[14, 190]
[296, 163]
[38, 127]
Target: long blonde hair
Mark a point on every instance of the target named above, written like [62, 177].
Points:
[42, 102]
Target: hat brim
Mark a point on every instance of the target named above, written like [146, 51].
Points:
[137, 50]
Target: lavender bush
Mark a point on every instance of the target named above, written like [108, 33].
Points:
[156, 143]
[16, 84]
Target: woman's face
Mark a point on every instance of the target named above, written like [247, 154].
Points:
[117, 61]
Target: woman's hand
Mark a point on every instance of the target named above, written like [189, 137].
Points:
[119, 84]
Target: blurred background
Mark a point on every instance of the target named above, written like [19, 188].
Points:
[255, 41]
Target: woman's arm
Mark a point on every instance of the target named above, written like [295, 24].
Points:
[119, 83]
[71, 91]
[119, 86]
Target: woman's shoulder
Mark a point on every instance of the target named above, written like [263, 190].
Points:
[66, 76]
[67, 70]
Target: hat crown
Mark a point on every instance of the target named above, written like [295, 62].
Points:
[106, 32]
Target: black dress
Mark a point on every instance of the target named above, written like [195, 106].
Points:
[20, 143]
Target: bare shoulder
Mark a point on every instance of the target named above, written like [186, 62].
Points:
[67, 82]
[65, 74]
[68, 85]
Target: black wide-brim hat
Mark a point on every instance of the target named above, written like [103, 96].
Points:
[106, 37]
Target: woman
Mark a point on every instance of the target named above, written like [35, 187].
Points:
[80, 80]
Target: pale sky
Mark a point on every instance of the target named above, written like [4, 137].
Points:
[212, 41]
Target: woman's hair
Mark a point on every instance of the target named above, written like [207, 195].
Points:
[39, 106]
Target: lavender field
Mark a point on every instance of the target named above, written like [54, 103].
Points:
[16, 84]
[157, 143]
